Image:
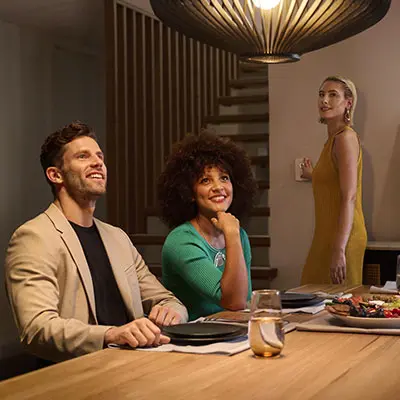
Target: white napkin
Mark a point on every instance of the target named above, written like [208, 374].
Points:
[229, 348]
[316, 308]
[389, 288]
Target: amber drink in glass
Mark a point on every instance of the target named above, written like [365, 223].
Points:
[266, 334]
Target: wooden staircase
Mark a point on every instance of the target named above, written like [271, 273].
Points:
[248, 137]
[236, 119]
[242, 117]
[252, 81]
[232, 100]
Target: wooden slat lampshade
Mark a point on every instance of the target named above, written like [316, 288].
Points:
[270, 35]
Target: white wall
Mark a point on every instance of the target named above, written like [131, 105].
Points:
[78, 93]
[372, 60]
[42, 86]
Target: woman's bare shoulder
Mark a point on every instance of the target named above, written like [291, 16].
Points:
[347, 132]
[348, 135]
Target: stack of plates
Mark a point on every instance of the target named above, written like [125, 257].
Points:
[203, 333]
[297, 300]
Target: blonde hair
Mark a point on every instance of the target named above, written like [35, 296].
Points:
[350, 92]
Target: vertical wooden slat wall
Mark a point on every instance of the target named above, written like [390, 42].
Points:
[160, 86]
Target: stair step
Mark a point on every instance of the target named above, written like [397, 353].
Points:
[247, 82]
[255, 212]
[264, 273]
[141, 239]
[152, 212]
[260, 240]
[231, 100]
[147, 239]
[248, 137]
[262, 185]
[234, 119]
[259, 160]
[260, 212]
[253, 67]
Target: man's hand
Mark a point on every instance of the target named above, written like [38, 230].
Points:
[164, 316]
[139, 333]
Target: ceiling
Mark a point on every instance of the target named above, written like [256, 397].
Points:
[77, 20]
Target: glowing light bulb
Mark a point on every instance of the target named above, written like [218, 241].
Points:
[266, 4]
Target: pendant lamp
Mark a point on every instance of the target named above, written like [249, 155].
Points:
[270, 31]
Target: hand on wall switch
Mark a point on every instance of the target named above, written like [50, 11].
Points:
[298, 163]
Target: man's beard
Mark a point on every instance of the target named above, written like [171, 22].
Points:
[78, 189]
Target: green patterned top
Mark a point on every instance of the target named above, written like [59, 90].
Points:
[192, 269]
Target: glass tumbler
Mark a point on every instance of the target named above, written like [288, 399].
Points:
[398, 273]
[266, 334]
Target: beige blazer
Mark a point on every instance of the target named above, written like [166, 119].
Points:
[51, 292]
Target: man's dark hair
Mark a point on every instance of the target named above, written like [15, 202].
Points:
[186, 164]
[53, 148]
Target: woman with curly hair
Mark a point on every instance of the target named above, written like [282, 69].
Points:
[206, 187]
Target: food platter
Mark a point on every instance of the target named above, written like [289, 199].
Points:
[366, 312]
[368, 323]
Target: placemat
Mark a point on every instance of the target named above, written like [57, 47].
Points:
[327, 323]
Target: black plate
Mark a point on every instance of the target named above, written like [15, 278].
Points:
[198, 341]
[201, 330]
[287, 296]
[302, 303]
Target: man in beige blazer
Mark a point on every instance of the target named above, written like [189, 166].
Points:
[71, 295]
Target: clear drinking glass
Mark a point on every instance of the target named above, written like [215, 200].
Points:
[398, 273]
[266, 334]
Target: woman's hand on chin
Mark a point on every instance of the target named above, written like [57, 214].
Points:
[226, 222]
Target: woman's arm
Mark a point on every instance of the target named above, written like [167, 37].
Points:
[346, 150]
[234, 281]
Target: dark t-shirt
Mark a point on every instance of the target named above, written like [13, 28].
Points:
[110, 307]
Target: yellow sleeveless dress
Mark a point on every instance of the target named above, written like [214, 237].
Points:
[326, 189]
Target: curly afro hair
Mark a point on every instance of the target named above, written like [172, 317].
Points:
[186, 164]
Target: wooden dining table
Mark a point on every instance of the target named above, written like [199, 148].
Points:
[313, 365]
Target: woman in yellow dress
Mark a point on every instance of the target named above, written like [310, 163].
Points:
[337, 250]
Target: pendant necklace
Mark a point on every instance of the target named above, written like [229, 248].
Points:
[219, 259]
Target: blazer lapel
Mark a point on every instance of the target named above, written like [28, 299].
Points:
[118, 265]
[71, 240]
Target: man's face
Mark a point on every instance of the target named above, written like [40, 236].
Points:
[83, 172]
